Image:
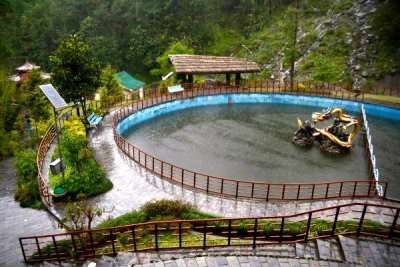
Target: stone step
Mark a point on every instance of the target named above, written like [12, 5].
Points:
[307, 250]
[351, 249]
[329, 249]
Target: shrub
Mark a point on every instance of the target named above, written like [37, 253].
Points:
[27, 192]
[165, 207]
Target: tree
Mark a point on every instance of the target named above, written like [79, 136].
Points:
[163, 61]
[75, 71]
[81, 214]
[110, 85]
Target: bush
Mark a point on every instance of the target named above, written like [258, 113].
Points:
[27, 192]
[82, 174]
[165, 207]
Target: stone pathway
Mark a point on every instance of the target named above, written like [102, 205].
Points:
[134, 186]
[16, 221]
[349, 252]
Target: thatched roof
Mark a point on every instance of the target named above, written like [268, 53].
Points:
[198, 64]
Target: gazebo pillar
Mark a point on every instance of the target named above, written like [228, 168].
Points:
[190, 78]
[228, 79]
[237, 78]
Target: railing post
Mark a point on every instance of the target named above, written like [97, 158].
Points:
[56, 249]
[361, 220]
[341, 188]
[134, 238]
[369, 188]
[255, 233]
[152, 164]
[237, 189]
[384, 193]
[171, 169]
[327, 191]
[22, 249]
[112, 242]
[312, 192]
[38, 248]
[396, 217]
[194, 180]
[91, 242]
[182, 174]
[335, 221]
[162, 169]
[204, 235]
[156, 235]
[145, 160]
[252, 189]
[268, 192]
[355, 188]
[208, 183]
[180, 235]
[283, 191]
[298, 191]
[229, 232]
[281, 230]
[74, 245]
[308, 227]
[222, 186]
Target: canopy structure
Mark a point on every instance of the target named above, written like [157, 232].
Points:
[27, 67]
[23, 73]
[129, 82]
[201, 64]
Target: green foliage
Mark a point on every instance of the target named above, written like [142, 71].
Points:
[80, 215]
[164, 65]
[110, 85]
[329, 61]
[83, 174]
[76, 72]
[126, 219]
[165, 207]
[27, 192]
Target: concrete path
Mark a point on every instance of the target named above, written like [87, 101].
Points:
[348, 252]
[16, 221]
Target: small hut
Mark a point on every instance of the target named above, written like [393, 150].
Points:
[23, 72]
[130, 84]
[188, 65]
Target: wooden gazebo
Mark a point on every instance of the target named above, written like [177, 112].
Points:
[188, 65]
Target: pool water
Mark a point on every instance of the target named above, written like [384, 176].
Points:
[247, 142]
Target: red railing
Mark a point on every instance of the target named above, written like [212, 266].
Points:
[350, 219]
[227, 186]
[43, 147]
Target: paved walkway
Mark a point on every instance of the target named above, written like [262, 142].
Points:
[16, 221]
[344, 251]
[134, 186]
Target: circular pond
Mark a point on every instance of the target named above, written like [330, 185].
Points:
[244, 141]
[248, 137]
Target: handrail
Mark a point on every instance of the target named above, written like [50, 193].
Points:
[41, 155]
[228, 186]
[349, 219]
[369, 150]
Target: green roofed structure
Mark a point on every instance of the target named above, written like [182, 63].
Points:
[128, 81]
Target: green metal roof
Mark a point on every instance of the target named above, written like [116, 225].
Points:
[128, 81]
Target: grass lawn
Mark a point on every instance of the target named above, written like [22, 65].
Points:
[385, 98]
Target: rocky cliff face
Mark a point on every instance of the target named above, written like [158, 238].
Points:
[344, 47]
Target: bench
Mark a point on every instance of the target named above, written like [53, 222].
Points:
[94, 120]
[175, 88]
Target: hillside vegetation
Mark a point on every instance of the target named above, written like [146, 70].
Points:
[334, 40]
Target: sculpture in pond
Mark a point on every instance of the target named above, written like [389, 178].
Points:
[334, 138]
